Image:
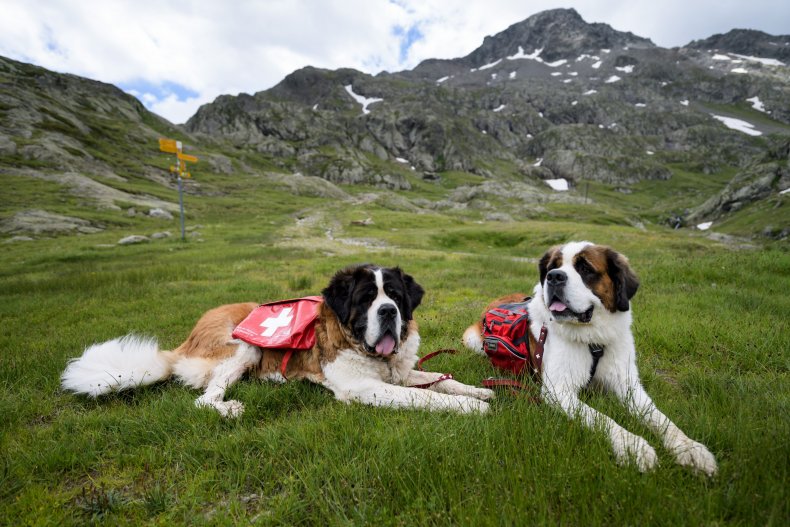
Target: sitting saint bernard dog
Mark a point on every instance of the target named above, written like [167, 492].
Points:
[583, 301]
[365, 350]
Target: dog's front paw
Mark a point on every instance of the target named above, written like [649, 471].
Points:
[484, 394]
[225, 408]
[630, 448]
[231, 408]
[468, 405]
[697, 456]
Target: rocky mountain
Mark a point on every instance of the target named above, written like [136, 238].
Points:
[747, 42]
[549, 103]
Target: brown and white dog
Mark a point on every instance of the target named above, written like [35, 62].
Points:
[583, 299]
[365, 351]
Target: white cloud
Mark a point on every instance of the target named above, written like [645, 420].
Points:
[212, 48]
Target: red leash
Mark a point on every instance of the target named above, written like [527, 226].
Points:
[444, 377]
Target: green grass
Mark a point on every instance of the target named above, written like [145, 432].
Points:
[710, 325]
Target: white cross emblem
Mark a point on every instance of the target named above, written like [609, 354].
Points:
[272, 324]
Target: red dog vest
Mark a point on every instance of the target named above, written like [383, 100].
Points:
[506, 339]
[287, 325]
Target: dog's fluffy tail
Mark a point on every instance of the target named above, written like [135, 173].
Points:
[115, 365]
[473, 338]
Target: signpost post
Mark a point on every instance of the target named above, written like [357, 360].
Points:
[172, 146]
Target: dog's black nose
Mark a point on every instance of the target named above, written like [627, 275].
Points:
[556, 277]
[388, 311]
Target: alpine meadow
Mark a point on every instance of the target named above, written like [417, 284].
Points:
[463, 172]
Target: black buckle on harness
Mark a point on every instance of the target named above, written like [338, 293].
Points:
[596, 350]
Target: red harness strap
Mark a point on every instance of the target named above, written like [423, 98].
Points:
[444, 377]
[284, 363]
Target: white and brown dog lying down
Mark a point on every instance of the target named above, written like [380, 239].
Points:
[365, 350]
[583, 300]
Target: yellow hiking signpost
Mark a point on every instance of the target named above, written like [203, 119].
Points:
[171, 146]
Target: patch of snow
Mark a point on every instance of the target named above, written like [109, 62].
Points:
[719, 56]
[485, 132]
[556, 63]
[626, 69]
[605, 50]
[640, 105]
[364, 101]
[512, 75]
[737, 124]
[664, 83]
[785, 191]
[489, 65]
[529, 136]
[649, 152]
[757, 104]
[586, 56]
[538, 162]
[535, 55]
[574, 103]
[613, 78]
[684, 102]
[401, 160]
[493, 76]
[439, 81]
[739, 70]
[566, 81]
[540, 114]
[597, 65]
[560, 184]
[572, 73]
[499, 108]
[590, 92]
[767, 62]
[315, 107]
[705, 226]
[556, 73]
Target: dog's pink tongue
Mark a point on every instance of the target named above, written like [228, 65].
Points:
[557, 306]
[385, 345]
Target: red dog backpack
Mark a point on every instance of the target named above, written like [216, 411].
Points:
[506, 338]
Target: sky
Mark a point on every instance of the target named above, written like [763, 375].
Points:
[175, 55]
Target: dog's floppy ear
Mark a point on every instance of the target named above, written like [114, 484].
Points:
[623, 277]
[414, 292]
[337, 294]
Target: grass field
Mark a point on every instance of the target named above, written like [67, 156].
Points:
[711, 326]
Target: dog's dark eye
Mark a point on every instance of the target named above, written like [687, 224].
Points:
[392, 293]
[368, 295]
[584, 268]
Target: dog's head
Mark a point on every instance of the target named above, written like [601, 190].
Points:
[375, 305]
[579, 277]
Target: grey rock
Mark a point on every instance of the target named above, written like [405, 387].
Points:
[37, 221]
[133, 239]
[160, 213]
[15, 239]
[499, 217]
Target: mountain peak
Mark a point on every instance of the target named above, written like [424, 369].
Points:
[561, 33]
